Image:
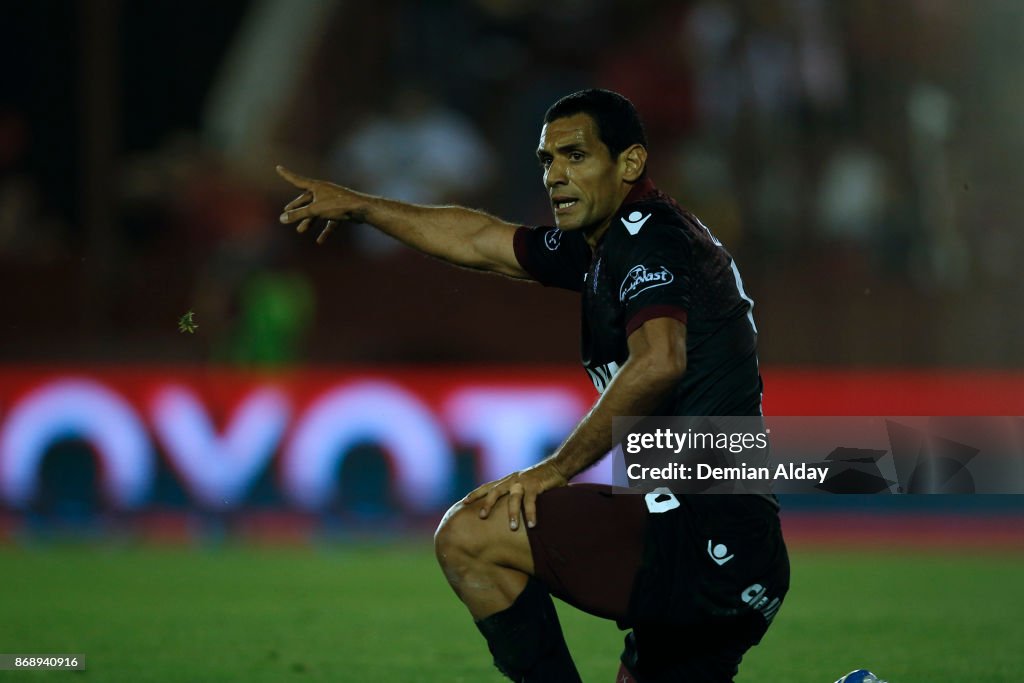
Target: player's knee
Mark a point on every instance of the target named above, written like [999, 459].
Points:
[457, 538]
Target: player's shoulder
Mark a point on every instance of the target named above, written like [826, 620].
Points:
[554, 239]
[656, 219]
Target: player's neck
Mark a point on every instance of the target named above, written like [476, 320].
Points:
[593, 235]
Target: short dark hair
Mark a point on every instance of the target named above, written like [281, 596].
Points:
[618, 123]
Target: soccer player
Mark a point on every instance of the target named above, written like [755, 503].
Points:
[667, 330]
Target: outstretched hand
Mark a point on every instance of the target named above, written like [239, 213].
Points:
[320, 200]
[522, 489]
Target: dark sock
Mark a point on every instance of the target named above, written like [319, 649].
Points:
[526, 639]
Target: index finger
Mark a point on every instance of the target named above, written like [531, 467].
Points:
[489, 501]
[294, 178]
[477, 493]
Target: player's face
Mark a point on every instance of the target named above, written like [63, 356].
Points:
[581, 178]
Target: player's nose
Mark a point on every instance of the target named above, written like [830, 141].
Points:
[555, 175]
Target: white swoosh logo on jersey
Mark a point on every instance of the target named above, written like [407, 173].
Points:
[635, 221]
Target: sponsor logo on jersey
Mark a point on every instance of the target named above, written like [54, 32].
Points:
[552, 239]
[640, 279]
[635, 221]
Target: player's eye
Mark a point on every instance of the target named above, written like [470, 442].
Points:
[575, 156]
[545, 163]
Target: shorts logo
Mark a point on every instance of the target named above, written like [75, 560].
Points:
[635, 221]
[718, 553]
[661, 500]
[552, 239]
[756, 596]
[639, 279]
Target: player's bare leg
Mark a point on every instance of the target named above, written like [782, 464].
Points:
[485, 562]
[490, 568]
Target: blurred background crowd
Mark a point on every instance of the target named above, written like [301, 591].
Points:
[869, 185]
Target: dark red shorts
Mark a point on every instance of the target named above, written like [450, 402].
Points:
[698, 581]
[588, 546]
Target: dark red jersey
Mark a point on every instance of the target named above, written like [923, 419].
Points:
[657, 260]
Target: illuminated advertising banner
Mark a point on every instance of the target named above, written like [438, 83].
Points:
[218, 432]
[225, 439]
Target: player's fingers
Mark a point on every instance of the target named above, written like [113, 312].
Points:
[515, 503]
[292, 215]
[478, 492]
[304, 225]
[490, 499]
[530, 509]
[294, 178]
[301, 199]
[326, 232]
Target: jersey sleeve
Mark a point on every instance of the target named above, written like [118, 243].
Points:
[654, 272]
[552, 257]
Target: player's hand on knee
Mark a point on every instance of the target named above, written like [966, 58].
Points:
[320, 200]
[522, 489]
[536, 480]
[490, 493]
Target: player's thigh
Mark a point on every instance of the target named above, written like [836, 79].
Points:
[588, 546]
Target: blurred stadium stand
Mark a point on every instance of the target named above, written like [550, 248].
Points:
[866, 183]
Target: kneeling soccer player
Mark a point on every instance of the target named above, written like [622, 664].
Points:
[667, 330]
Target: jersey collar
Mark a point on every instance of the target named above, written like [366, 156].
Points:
[640, 191]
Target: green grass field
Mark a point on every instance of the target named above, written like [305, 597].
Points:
[383, 613]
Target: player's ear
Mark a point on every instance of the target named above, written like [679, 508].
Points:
[634, 160]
